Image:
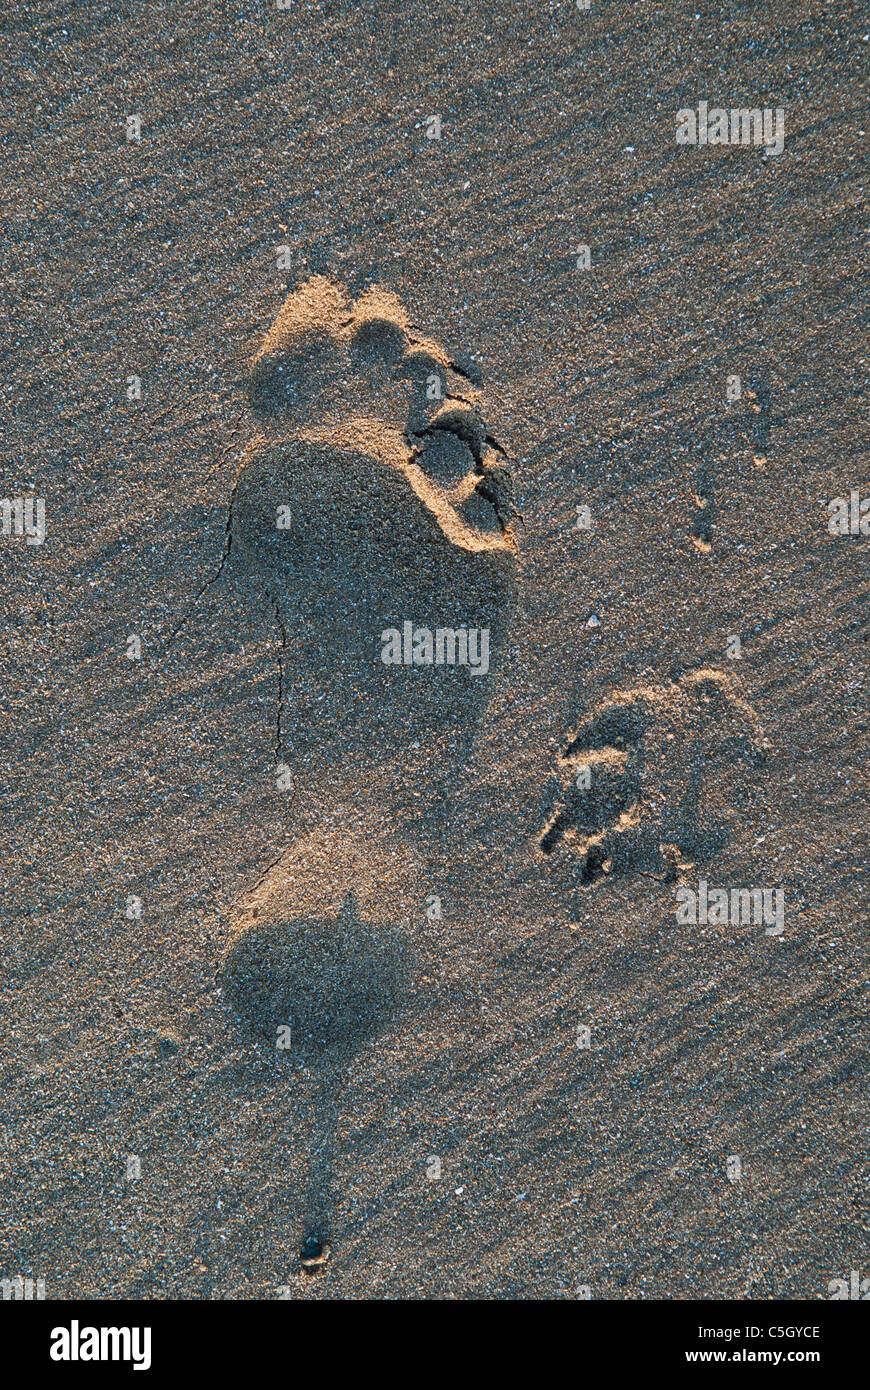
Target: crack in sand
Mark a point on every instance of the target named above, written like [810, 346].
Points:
[227, 547]
[282, 630]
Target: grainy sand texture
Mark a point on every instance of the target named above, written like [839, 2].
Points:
[434, 576]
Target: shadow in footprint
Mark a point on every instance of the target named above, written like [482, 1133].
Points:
[617, 725]
[332, 983]
[321, 988]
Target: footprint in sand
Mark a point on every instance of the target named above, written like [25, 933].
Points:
[392, 575]
[375, 509]
[650, 781]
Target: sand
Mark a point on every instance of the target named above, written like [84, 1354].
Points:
[509, 1071]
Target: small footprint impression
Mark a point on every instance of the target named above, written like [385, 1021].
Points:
[650, 780]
